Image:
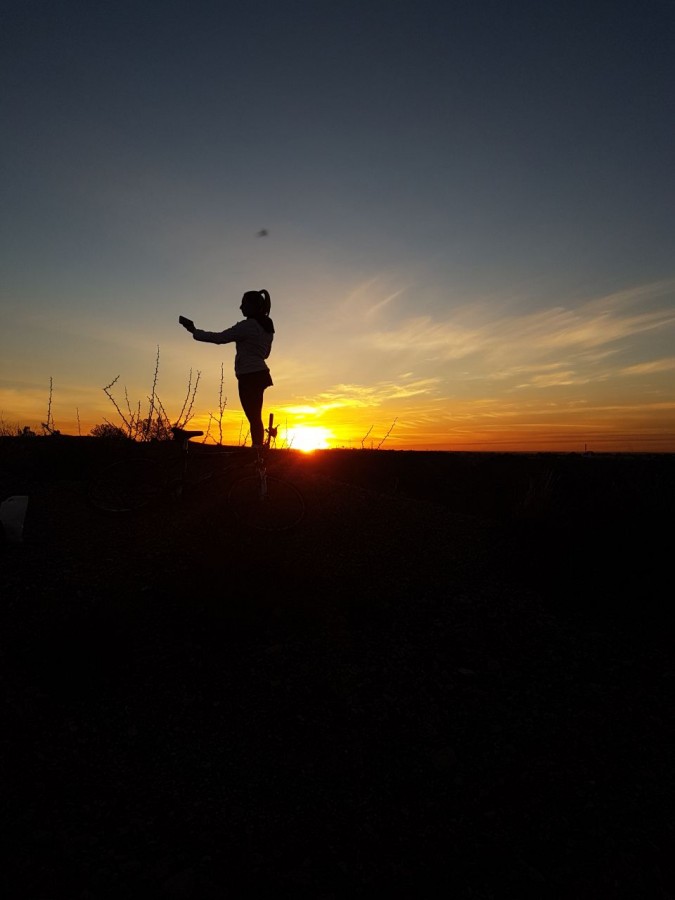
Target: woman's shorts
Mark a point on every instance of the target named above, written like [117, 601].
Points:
[255, 380]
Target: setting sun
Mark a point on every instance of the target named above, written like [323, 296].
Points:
[308, 438]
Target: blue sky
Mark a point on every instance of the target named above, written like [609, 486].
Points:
[469, 206]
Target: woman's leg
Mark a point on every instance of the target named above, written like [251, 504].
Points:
[251, 392]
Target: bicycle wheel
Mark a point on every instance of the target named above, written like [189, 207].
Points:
[279, 508]
[127, 485]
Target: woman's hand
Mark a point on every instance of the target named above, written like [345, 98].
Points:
[188, 324]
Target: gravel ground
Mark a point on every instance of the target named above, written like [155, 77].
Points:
[455, 675]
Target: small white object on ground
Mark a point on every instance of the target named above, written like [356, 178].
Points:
[12, 517]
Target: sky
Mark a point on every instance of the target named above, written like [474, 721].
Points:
[464, 213]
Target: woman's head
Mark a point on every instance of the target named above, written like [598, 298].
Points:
[256, 303]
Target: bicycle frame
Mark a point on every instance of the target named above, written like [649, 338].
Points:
[183, 436]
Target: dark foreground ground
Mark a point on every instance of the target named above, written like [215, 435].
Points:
[455, 677]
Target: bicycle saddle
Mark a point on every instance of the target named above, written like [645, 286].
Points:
[181, 434]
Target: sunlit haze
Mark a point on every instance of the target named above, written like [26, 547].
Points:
[307, 438]
[463, 212]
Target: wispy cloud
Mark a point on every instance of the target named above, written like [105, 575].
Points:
[353, 396]
[648, 368]
[504, 345]
[369, 299]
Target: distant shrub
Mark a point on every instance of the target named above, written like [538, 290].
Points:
[7, 430]
[109, 432]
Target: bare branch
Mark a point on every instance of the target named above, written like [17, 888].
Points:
[180, 422]
[188, 414]
[48, 426]
[363, 439]
[221, 406]
[388, 433]
[162, 417]
[108, 392]
[137, 421]
[242, 443]
[151, 407]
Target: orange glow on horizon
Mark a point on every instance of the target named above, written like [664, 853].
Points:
[578, 433]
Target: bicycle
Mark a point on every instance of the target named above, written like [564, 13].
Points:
[260, 500]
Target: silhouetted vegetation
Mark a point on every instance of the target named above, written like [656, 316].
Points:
[109, 432]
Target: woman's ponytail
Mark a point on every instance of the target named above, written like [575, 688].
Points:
[258, 306]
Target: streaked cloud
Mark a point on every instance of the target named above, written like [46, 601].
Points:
[500, 347]
[648, 368]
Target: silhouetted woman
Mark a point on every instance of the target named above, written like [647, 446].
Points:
[253, 337]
